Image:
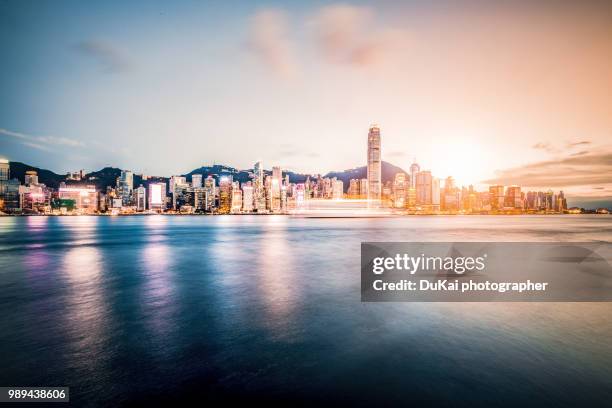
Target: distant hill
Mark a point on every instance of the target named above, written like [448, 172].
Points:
[47, 177]
[108, 175]
[388, 173]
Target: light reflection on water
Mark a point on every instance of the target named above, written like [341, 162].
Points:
[258, 305]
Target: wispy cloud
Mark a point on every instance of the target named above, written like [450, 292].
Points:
[41, 142]
[109, 58]
[578, 144]
[583, 170]
[351, 35]
[547, 147]
[270, 42]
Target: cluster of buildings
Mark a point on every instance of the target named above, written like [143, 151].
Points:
[417, 192]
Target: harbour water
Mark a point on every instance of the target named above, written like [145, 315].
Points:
[134, 310]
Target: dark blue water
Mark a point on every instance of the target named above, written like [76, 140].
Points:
[142, 310]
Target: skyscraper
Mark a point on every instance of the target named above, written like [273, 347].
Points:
[125, 186]
[259, 193]
[140, 195]
[424, 188]
[196, 180]
[157, 196]
[374, 164]
[31, 178]
[399, 190]
[225, 194]
[414, 169]
[4, 170]
[496, 197]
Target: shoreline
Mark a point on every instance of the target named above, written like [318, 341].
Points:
[390, 215]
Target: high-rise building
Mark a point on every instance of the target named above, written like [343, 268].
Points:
[247, 198]
[374, 173]
[211, 193]
[513, 197]
[196, 180]
[259, 192]
[225, 194]
[5, 170]
[435, 194]
[31, 178]
[236, 198]
[177, 186]
[414, 169]
[363, 188]
[85, 198]
[424, 188]
[157, 196]
[496, 197]
[140, 198]
[176, 181]
[353, 190]
[337, 189]
[399, 190]
[125, 187]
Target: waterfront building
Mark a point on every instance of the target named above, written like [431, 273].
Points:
[84, 198]
[140, 198]
[196, 180]
[513, 198]
[178, 185]
[363, 188]
[435, 194]
[31, 178]
[374, 169]
[300, 196]
[211, 194]
[5, 170]
[259, 191]
[125, 187]
[236, 198]
[353, 190]
[247, 197]
[225, 194]
[400, 185]
[414, 169]
[157, 197]
[337, 189]
[423, 188]
[496, 197]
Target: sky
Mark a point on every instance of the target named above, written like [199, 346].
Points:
[484, 91]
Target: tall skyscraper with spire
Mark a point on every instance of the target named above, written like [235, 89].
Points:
[374, 164]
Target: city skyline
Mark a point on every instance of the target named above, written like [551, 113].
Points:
[526, 98]
[272, 192]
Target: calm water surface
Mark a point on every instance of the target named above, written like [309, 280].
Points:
[134, 310]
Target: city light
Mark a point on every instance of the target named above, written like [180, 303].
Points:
[417, 191]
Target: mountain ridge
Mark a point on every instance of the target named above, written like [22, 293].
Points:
[107, 176]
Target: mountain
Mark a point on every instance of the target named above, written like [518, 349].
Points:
[46, 177]
[388, 173]
[108, 175]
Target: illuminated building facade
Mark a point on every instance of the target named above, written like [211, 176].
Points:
[157, 196]
[374, 171]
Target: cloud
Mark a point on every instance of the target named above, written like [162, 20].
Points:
[569, 146]
[41, 142]
[350, 35]
[578, 144]
[269, 41]
[110, 59]
[547, 147]
[584, 170]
